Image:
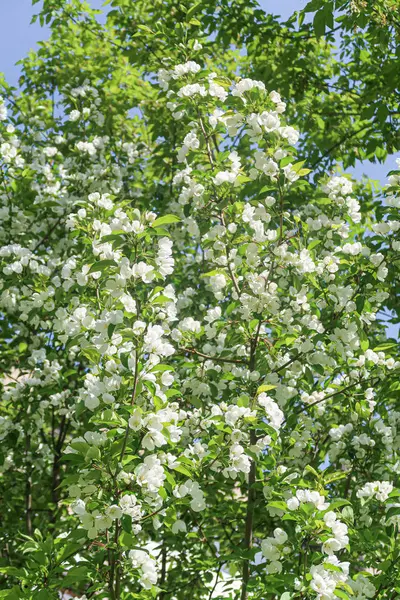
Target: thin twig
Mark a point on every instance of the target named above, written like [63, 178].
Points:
[216, 358]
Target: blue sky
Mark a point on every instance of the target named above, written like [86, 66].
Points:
[18, 36]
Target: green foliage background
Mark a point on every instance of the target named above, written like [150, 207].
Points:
[336, 64]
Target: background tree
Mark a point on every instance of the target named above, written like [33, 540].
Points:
[199, 396]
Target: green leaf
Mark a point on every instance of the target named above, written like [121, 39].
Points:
[42, 595]
[340, 593]
[278, 504]
[14, 571]
[385, 346]
[211, 273]
[93, 453]
[101, 265]
[126, 539]
[348, 514]
[75, 575]
[338, 504]
[319, 23]
[74, 341]
[68, 551]
[335, 477]
[126, 522]
[22, 346]
[196, 6]
[145, 28]
[311, 470]
[304, 172]
[92, 354]
[360, 301]
[172, 392]
[181, 469]
[265, 388]
[345, 586]
[243, 400]
[161, 300]
[81, 447]
[364, 342]
[166, 220]
[313, 244]
[298, 165]
[162, 368]
[393, 511]
[330, 567]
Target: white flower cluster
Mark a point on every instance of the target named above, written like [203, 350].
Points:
[191, 488]
[325, 579]
[3, 110]
[147, 565]
[272, 548]
[219, 344]
[376, 489]
[95, 522]
[274, 414]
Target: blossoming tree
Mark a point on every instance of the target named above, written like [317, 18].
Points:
[199, 399]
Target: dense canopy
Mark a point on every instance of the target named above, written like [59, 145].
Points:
[200, 393]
